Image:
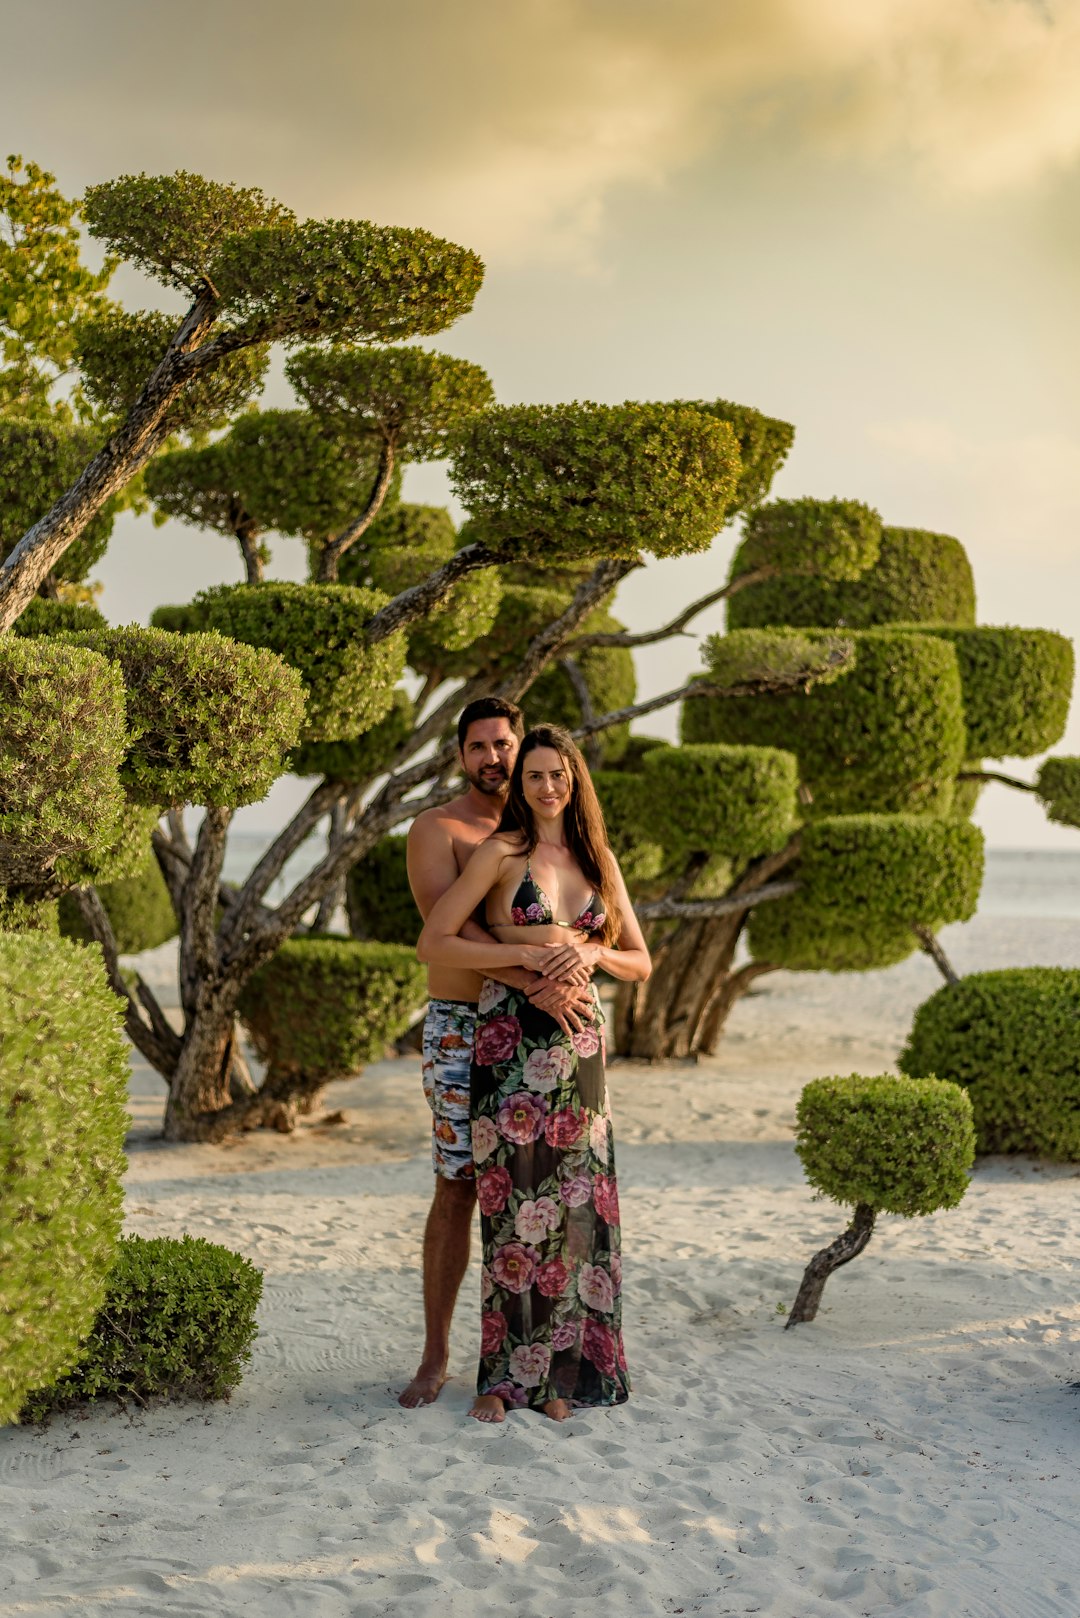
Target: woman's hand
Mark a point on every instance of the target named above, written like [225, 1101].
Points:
[576, 959]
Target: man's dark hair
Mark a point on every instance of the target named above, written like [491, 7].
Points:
[489, 708]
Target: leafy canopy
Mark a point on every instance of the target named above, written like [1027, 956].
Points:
[408, 397]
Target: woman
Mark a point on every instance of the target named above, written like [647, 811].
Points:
[556, 902]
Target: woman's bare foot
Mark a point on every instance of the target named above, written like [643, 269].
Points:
[424, 1388]
[557, 1409]
[488, 1407]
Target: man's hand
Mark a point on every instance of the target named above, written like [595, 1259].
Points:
[565, 1002]
[579, 955]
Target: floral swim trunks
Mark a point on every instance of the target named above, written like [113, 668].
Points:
[449, 1029]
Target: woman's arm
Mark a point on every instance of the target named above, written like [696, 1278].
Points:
[440, 944]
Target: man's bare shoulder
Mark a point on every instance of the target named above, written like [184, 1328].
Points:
[442, 818]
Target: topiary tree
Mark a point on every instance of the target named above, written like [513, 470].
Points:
[879, 1145]
[63, 1116]
[1011, 1040]
[1058, 787]
[139, 909]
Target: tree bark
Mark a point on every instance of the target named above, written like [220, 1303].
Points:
[821, 1266]
[335, 549]
[334, 897]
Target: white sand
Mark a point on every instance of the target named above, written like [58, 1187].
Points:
[911, 1453]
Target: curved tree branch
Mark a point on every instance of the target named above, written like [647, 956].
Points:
[335, 549]
[677, 625]
[996, 775]
[667, 909]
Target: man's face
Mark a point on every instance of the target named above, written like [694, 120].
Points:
[488, 755]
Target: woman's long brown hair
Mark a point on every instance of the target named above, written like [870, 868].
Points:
[583, 820]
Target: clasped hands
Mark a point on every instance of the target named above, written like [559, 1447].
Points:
[562, 988]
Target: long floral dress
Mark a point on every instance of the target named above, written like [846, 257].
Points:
[551, 1322]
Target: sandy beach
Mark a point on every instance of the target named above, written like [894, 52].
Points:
[912, 1453]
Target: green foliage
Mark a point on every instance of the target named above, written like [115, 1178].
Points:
[608, 672]
[62, 740]
[319, 630]
[63, 1086]
[864, 882]
[121, 854]
[1016, 687]
[1011, 1039]
[634, 828]
[209, 721]
[364, 757]
[118, 351]
[39, 460]
[888, 737]
[1058, 786]
[737, 802]
[41, 617]
[918, 578]
[178, 1321]
[557, 483]
[380, 901]
[523, 611]
[902, 1146]
[764, 443]
[138, 907]
[325, 1006]
[181, 619]
[44, 292]
[831, 539]
[751, 655]
[409, 397]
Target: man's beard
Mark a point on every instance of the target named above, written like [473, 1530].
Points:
[491, 781]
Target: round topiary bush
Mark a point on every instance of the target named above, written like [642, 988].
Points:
[626, 803]
[181, 619]
[325, 1006]
[139, 909]
[1016, 685]
[879, 1145]
[764, 443]
[380, 902]
[40, 617]
[319, 630]
[732, 801]
[865, 882]
[63, 1116]
[177, 1322]
[1058, 786]
[1011, 1040]
[832, 539]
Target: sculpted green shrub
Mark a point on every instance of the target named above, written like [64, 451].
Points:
[1016, 686]
[181, 619]
[323, 1007]
[43, 617]
[886, 737]
[523, 611]
[833, 539]
[209, 720]
[608, 672]
[63, 1116]
[38, 461]
[139, 909]
[1058, 786]
[318, 630]
[361, 757]
[380, 901]
[122, 854]
[880, 1145]
[62, 740]
[402, 548]
[865, 881]
[1011, 1040]
[636, 827]
[764, 443]
[918, 578]
[177, 1322]
[736, 802]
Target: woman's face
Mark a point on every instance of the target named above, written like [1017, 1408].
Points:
[545, 781]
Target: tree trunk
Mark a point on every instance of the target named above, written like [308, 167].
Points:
[333, 899]
[822, 1265]
[691, 989]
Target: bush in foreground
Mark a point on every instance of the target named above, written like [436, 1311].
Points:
[883, 1145]
[177, 1322]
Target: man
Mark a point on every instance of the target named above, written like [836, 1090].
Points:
[440, 843]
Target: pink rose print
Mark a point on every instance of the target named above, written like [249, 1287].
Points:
[485, 1138]
[605, 1195]
[545, 1069]
[535, 913]
[564, 1336]
[534, 1220]
[509, 1394]
[576, 1192]
[616, 1272]
[595, 1289]
[598, 1135]
[487, 1285]
[564, 1128]
[496, 1040]
[518, 916]
[492, 1189]
[491, 993]
[552, 1278]
[598, 1345]
[529, 1364]
[493, 1330]
[521, 1117]
[586, 1041]
[514, 1267]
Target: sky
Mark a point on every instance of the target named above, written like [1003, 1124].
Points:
[858, 215]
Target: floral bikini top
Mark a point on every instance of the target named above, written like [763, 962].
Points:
[532, 908]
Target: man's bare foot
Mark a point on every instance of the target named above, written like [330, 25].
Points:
[424, 1388]
[557, 1409]
[488, 1407]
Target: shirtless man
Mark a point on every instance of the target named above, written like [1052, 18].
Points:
[441, 841]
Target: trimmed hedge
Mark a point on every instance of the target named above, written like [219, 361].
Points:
[764, 443]
[918, 578]
[319, 630]
[864, 882]
[20, 914]
[888, 736]
[1058, 786]
[181, 619]
[363, 757]
[1016, 686]
[209, 720]
[626, 803]
[1011, 1039]
[757, 655]
[123, 854]
[324, 1006]
[62, 740]
[833, 539]
[63, 1116]
[379, 899]
[736, 802]
[899, 1146]
[609, 674]
[177, 1321]
[40, 617]
[138, 907]
[523, 611]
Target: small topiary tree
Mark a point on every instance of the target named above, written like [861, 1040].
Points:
[177, 1322]
[138, 906]
[879, 1145]
[1011, 1041]
[63, 1116]
[1058, 787]
[324, 1007]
